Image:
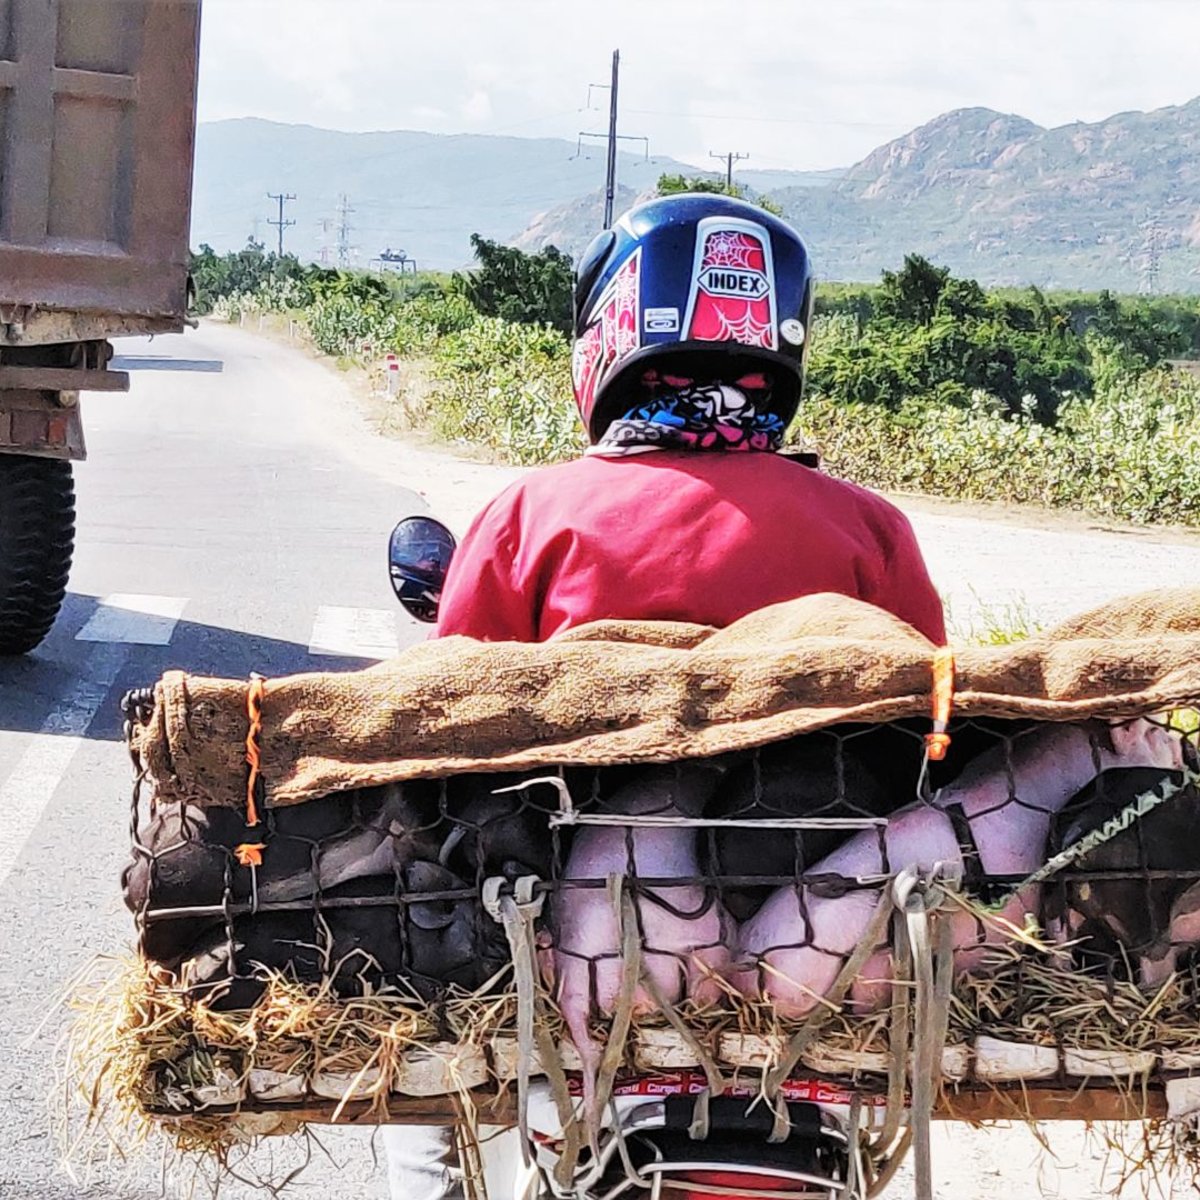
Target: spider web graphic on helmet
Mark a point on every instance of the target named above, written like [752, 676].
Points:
[732, 249]
[744, 329]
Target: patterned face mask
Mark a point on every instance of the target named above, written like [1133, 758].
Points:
[680, 414]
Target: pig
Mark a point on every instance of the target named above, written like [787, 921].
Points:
[496, 830]
[806, 777]
[316, 845]
[684, 930]
[360, 950]
[1154, 921]
[792, 950]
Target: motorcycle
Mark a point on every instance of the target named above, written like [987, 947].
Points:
[652, 1141]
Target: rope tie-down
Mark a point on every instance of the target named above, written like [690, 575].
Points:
[923, 971]
[518, 913]
[248, 853]
[911, 901]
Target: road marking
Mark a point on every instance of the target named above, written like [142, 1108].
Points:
[134, 620]
[27, 792]
[355, 632]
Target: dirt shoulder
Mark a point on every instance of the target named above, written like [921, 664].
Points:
[1043, 565]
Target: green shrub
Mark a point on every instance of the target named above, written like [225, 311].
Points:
[240, 272]
[925, 383]
[1131, 452]
[507, 386]
[343, 324]
[930, 335]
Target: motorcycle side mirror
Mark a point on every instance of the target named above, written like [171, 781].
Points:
[419, 553]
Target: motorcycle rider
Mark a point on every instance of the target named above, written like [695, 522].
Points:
[692, 326]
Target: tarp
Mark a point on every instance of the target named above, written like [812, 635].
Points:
[628, 692]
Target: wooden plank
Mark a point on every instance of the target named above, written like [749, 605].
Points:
[974, 1105]
[62, 379]
[1053, 1104]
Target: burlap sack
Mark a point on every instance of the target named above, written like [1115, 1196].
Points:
[619, 692]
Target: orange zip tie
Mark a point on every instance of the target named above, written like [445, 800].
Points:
[938, 742]
[249, 854]
[254, 701]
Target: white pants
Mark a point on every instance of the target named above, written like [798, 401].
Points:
[423, 1163]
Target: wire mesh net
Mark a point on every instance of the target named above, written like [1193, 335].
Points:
[753, 876]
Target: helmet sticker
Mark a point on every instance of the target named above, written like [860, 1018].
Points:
[792, 331]
[612, 333]
[732, 295]
[661, 320]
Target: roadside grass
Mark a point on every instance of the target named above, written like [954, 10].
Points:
[988, 622]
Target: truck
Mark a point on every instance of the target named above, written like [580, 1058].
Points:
[97, 140]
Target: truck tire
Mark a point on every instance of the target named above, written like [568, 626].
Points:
[37, 536]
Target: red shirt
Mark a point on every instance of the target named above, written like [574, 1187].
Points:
[678, 536]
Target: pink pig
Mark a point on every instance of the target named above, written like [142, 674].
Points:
[798, 941]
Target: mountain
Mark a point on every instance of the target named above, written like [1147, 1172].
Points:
[1111, 204]
[572, 225]
[423, 193]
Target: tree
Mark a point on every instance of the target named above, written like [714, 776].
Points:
[935, 337]
[532, 289]
[912, 293]
[215, 275]
[673, 185]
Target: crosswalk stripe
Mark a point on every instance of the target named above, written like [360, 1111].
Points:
[355, 632]
[134, 620]
[30, 787]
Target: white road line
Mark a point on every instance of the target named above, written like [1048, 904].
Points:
[134, 620]
[27, 792]
[355, 632]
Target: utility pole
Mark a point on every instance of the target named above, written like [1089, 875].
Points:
[281, 224]
[729, 159]
[610, 186]
[612, 137]
[343, 231]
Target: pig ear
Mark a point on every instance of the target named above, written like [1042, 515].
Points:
[1128, 736]
[1146, 743]
[1153, 972]
[1185, 918]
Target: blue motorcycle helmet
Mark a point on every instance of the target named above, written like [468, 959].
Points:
[696, 285]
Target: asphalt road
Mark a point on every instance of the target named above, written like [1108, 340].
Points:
[233, 517]
[221, 517]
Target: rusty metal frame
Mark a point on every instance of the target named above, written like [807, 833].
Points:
[138, 266]
[41, 424]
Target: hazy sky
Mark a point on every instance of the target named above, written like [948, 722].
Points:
[793, 83]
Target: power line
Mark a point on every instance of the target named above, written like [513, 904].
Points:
[729, 159]
[1153, 255]
[281, 224]
[344, 249]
